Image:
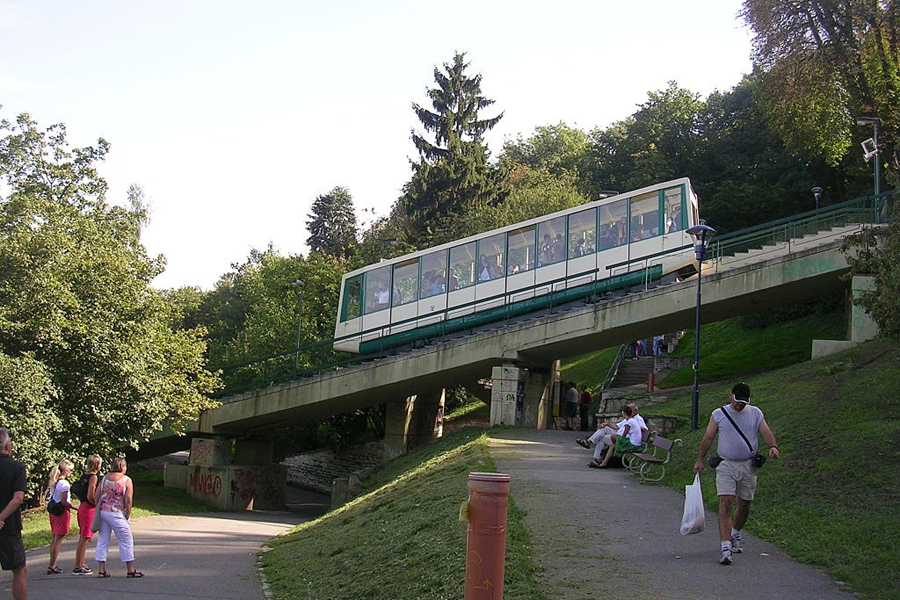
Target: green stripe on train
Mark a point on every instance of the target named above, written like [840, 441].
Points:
[515, 309]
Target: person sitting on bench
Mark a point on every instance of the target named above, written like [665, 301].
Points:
[628, 441]
[605, 434]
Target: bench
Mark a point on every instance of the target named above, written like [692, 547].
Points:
[651, 466]
[629, 457]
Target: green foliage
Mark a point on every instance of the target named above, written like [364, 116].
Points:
[332, 224]
[79, 321]
[825, 65]
[873, 252]
[453, 174]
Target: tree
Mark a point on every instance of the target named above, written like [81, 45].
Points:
[868, 253]
[827, 63]
[559, 149]
[77, 309]
[453, 173]
[332, 224]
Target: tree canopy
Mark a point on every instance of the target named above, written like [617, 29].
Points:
[332, 224]
[826, 64]
[453, 173]
[89, 360]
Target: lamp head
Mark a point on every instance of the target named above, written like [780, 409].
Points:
[867, 121]
[701, 233]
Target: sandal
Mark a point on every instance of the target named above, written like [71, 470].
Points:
[584, 443]
[594, 464]
[102, 574]
[135, 574]
[53, 570]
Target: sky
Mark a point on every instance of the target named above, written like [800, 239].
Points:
[233, 116]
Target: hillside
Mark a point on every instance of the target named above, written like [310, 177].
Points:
[831, 501]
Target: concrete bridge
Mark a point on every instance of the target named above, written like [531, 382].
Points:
[522, 358]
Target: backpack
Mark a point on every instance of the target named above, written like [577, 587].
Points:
[80, 488]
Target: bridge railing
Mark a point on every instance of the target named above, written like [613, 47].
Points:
[864, 210]
[320, 357]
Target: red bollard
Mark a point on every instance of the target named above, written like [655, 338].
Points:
[651, 382]
[486, 540]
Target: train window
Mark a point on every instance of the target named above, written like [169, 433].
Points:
[613, 228]
[644, 216]
[521, 250]
[352, 293]
[672, 205]
[583, 233]
[491, 257]
[552, 247]
[406, 277]
[434, 273]
[462, 267]
[377, 295]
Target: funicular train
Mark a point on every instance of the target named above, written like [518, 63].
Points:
[598, 247]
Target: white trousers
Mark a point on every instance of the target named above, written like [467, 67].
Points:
[601, 440]
[114, 521]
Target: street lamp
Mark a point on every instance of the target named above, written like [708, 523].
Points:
[870, 148]
[817, 192]
[298, 289]
[701, 233]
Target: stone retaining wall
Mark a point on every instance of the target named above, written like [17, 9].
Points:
[317, 470]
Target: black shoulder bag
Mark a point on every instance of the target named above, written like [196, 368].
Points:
[756, 458]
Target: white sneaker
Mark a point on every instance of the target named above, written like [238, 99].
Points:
[726, 557]
[737, 545]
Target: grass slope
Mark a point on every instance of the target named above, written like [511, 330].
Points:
[727, 348]
[832, 499]
[402, 539]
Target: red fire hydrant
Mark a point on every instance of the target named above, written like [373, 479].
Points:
[651, 382]
[485, 512]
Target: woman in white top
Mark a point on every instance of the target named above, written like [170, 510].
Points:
[114, 498]
[59, 524]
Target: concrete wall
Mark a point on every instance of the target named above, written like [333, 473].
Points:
[238, 487]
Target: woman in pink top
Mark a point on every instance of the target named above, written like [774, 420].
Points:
[114, 501]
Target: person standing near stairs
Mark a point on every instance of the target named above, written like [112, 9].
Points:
[571, 399]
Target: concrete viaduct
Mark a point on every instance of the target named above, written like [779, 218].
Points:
[412, 384]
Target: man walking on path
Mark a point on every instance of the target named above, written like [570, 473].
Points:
[738, 425]
[12, 493]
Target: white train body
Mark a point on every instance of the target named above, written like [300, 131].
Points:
[517, 268]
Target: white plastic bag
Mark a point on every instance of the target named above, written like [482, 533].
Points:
[694, 518]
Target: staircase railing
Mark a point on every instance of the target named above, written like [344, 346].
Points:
[614, 367]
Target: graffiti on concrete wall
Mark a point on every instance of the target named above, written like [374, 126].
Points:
[210, 452]
[257, 486]
[205, 484]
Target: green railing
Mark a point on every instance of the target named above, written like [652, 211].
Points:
[614, 367]
[868, 210]
[290, 365]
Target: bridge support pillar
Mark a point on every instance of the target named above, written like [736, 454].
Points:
[232, 475]
[412, 422]
[541, 385]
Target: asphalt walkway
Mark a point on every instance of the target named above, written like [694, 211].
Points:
[602, 534]
[198, 556]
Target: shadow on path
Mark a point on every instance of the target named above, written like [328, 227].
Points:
[601, 533]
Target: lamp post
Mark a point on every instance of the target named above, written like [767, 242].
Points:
[870, 148]
[817, 193]
[701, 233]
[298, 284]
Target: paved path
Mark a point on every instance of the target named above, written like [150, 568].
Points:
[602, 534]
[209, 555]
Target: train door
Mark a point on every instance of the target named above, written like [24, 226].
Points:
[461, 281]
[645, 235]
[582, 248]
[376, 302]
[551, 271]
[521, 254]
[490, 287]
[613, 239]
[675, 214]
[349, 322]
[432, 287]
[404, 295]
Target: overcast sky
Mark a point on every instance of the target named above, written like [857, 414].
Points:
[234, 116]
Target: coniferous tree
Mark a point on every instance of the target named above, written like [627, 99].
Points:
[453, 172]
[332, 224]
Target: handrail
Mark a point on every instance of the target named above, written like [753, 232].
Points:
[614, 367]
